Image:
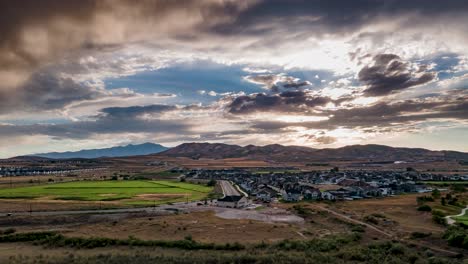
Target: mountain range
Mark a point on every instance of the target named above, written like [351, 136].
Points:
[282, 153]
[120, 151]
[274, 152]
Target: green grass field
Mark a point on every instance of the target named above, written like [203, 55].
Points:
[138, 192]
[462, 219]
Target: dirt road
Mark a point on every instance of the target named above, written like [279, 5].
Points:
[389, 235]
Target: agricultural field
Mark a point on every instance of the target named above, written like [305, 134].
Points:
[131, 192]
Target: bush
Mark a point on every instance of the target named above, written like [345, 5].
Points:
[415, 235]
[211, 183]
[371, 219]
[301, 210]
[424, 208]
[423, 199]
[8, 231]
[457, 236]
[358, 228]
[439, 217]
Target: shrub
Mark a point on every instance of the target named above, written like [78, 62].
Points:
[423, 199]
[457, 236]
[358, 228]
[9, 231]
[371, 219]
[301, 210]
[211, 183]
[438, 217]
[424, 208]
[415, 235]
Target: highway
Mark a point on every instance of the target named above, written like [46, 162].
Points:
[228, 189]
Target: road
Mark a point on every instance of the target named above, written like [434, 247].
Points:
[356, 221]
[450, 221]
[179, 206]
[228, 189]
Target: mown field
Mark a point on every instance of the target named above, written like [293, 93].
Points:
[462, 219]
[128, 192]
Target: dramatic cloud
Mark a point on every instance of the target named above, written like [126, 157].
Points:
[288, 101]
[45, 92]
[276, 82]
[115, 120]
[389, 74]
[35, 34]
[317, 73]
[383, 116]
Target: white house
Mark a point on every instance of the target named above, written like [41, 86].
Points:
[233, 201]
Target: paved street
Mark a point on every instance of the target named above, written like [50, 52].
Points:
[228, 189]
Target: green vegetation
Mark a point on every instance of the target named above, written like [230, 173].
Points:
[425, 208]
[439, 217]
[155, 175]
[457, 236]
[331, 249]
[211, 183]
[416, 235]
[423, 199]
[132, 191]
[462, 219]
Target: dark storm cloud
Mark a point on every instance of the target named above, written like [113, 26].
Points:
[45, 92]
[287, 101]
[333, 16]
[113, 120]
[135, 111]
[35, 33]
[389, 74]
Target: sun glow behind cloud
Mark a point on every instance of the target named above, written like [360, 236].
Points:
[258, 72]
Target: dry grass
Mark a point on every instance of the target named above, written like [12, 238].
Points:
[401, 211]
[202, 226]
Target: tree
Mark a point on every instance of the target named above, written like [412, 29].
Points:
[436, 193]
[442, 201]
[211, 183]
[424, 208]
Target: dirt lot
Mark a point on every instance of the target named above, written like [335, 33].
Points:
[202, 226]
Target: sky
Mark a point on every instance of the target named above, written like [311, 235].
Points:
[316, 73]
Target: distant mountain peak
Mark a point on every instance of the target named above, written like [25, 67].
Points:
[117, 151]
